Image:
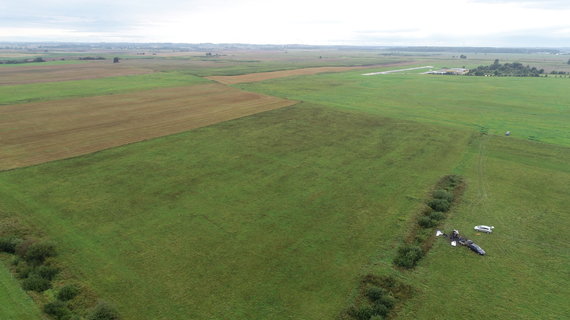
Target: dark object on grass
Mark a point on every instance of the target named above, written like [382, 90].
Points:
[455, 239]
[471, 245]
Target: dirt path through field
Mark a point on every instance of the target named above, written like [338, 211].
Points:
[261, 76]
[39, 132]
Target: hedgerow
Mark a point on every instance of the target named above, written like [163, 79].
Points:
[408, 256]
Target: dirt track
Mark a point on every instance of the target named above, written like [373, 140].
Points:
[39, 132]
[261, 76]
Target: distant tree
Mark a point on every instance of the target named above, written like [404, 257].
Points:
[463, 56]
[568, 61]
[496, 62]
[116, 60]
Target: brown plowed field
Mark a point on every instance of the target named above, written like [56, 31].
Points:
[65, 72]
[261, 76]
[39, 132]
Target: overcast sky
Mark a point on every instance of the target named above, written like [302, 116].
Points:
[349, 22]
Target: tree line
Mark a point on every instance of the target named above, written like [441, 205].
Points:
[515, 69]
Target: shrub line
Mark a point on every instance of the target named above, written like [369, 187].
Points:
[380, 297]
[447, 193]
[35, 266]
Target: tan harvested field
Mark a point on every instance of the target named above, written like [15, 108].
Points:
[39, 132]
[262, 76]
[17, 55]
[80, 71]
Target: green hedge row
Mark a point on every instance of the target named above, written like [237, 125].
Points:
[34, 268]
[378, 297]
[438, 204]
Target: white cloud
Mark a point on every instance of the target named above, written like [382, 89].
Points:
[381, 22]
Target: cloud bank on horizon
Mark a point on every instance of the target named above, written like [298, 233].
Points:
[517, 23]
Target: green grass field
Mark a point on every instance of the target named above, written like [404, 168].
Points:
[251, 62]
[521, 188]
[279, 214]
[104, 86]
[535, 109]
[515, 183]
[269, 216]
[16, 305]
[35, 64]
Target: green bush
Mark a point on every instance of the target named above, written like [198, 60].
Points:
[375, 293]
[9, 244]
[35, 283]
[452, 181]
[388, 282]
[376, 317]
[58, 310]
[443, 194]
[408, 256]
[22, 247]
[68, 292]
[388, 300]
[23, 270]
[46, 272]
[362, 313]
[379, 309]
[439, 205]
[426, 222]
[104, 311]
[437, 216]
[39, 251]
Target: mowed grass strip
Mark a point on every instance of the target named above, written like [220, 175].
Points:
[15, 304]
[270, 216]
[39, 132]
[91, 87]
[531, 108]
[50, 73]
[262, 76]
